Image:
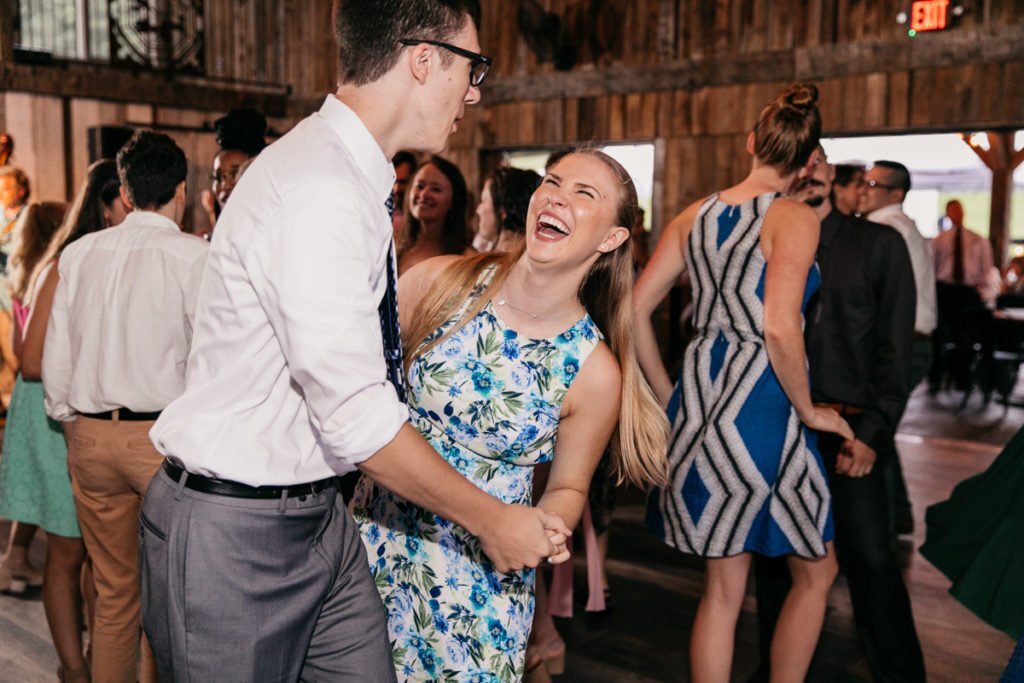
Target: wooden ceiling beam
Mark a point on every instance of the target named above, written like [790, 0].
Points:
[807, 63]
[100, 82]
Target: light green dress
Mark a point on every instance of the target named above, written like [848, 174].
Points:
[35, 487]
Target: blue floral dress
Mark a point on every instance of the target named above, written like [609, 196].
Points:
[489, 401]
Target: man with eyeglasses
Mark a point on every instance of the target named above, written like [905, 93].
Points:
[886, 185]
[253, 569]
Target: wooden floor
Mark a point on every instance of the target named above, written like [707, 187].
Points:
[644, 639]
[657, 590]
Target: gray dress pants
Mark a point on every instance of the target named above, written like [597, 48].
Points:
[250, 591]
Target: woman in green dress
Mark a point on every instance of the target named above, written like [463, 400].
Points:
[975, 539]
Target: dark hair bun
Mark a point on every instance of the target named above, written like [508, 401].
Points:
[800, 96]
[242, 129]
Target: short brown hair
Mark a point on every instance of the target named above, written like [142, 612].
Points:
[788, 129]
[368, 32]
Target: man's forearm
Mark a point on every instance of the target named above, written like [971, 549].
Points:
[410, 467]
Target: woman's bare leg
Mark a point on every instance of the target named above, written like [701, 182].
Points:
[714, 629]
[803, 613]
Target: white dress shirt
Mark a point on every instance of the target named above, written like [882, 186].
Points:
[926, 313]
[286, 380]
[119, 331]
[977, 261]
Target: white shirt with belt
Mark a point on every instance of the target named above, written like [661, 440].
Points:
[286, 380]
[926, 313]
[121, 323]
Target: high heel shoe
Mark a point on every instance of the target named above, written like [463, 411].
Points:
[25, 572]
[9, 584]
[551, 662]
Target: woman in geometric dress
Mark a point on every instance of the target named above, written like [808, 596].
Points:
[507, 351]
[746, 476]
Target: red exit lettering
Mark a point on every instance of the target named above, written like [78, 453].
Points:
[928, 15]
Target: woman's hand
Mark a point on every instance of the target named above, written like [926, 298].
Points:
[561, 543]
[827, 420]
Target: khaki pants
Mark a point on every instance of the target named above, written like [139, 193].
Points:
[111, 464]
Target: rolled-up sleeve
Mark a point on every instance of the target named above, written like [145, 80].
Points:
[316, 280]
[56, 369]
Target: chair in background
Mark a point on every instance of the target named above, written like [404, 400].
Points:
[960, 342]
[1007, 346]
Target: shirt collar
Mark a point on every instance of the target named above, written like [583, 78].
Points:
[362, 145]
[150, 219]
[885, 212]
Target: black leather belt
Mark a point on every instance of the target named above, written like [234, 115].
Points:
[233, 489]
[122, 414]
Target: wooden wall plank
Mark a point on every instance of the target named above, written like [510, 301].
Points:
[875, 102]
[922, 90]
[37, 124]
[831, 105]
[618, 106]
[572, 120]
[84, 115]
[724, 160]
[898, 101]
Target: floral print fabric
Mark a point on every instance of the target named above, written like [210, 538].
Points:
[488, 400]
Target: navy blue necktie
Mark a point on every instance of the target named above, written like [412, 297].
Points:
[388, 311]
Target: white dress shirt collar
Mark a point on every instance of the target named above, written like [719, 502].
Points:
[361, 144]
[150, 219]
[882, 214]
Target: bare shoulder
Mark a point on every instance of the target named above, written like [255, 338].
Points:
[792, 218]
[785, 208]
[685, 219]
[414, 283]
[679, 227]
[599, 379]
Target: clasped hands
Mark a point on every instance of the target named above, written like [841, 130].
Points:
[522, 537]
[855, 459]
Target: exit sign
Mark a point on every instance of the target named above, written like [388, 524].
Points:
[929, 15]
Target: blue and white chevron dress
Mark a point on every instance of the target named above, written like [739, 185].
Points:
[746, 475]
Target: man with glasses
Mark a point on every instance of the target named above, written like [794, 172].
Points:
[253, 568]
[885, 188]
[886, 185]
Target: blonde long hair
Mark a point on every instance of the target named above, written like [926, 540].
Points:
[639, 442]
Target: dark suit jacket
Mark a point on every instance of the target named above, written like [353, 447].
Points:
[860, 325]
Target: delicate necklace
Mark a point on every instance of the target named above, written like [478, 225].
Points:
[502, 301]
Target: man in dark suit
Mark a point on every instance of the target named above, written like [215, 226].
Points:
[860, 334]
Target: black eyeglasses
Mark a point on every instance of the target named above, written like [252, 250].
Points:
[875, 183]
[478, 63]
